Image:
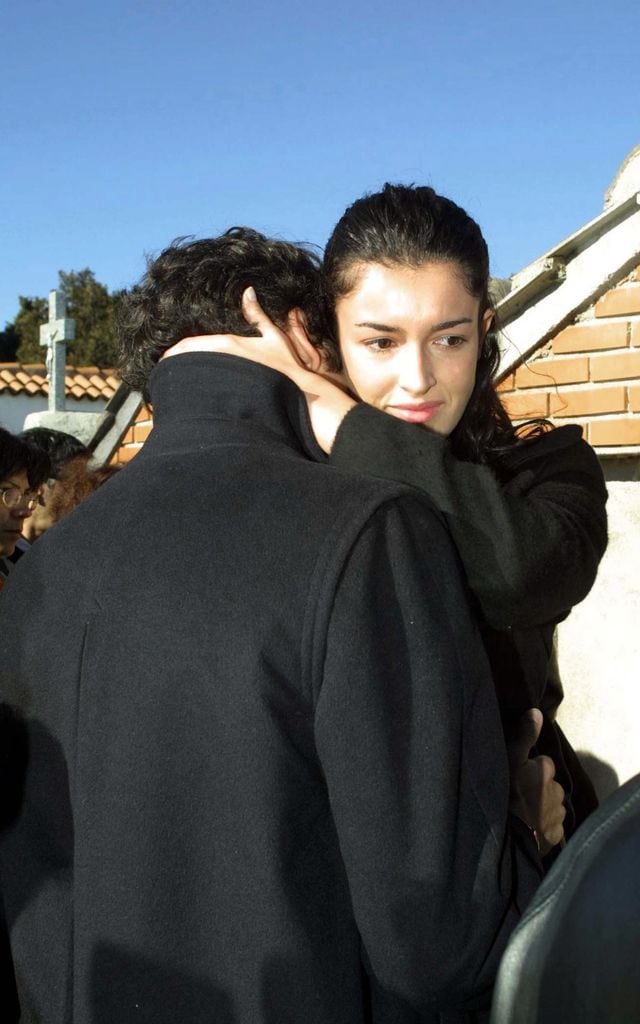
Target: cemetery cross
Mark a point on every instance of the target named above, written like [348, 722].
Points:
[54, 334]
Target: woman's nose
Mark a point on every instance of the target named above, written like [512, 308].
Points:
[417, 373]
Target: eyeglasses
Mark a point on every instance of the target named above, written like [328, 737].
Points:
[13, 497]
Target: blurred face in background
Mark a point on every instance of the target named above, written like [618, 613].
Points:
[41, 518]
[12, 520]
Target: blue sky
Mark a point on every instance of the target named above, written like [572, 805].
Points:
[124, 125]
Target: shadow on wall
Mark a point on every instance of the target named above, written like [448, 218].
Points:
[604, 777]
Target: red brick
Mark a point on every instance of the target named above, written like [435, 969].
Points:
[588, 402]
[591, 337]
[620, 301]
[621, 366]
[508, 383]
[622, 431]
[634, 398]
[126, 454]
[526, 406]
[141, 432]
[541, 372]
[144, 414]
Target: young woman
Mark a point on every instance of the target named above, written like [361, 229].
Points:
[406, 276]
[23, 470]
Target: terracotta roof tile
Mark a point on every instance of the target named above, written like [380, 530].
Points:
[80, 382]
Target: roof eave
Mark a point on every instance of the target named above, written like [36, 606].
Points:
[551, 291]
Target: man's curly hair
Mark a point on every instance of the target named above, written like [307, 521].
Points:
[195, 287]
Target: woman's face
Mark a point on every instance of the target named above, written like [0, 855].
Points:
[12, 519]
[410, 341]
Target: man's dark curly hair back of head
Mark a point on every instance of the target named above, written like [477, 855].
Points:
[195, 287]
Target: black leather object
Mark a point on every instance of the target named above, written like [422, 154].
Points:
[575, 956]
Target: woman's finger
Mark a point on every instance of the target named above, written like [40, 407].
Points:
[254, 314]
[283, 346]
[305, 351]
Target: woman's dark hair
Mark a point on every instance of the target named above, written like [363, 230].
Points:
[411, 225]
[17, 455]
[58, 445]
[195, 287]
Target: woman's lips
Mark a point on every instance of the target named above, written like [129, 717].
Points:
[420, 413]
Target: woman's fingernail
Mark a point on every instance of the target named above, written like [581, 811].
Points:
[250, 294]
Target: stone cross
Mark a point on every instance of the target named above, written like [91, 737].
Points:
[54, 334]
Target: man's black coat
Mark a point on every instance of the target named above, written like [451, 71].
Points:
[264, 776]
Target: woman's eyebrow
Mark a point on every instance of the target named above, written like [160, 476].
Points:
[446, 325]
[379, 327]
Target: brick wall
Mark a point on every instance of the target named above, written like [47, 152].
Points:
[135, 437]
[589, 373]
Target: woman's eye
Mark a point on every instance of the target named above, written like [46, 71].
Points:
[380, 344]
[450, 341]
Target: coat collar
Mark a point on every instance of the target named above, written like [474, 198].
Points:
[230, 393]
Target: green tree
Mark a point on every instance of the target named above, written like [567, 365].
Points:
[92, 308]
[26, 325]
[9, 341]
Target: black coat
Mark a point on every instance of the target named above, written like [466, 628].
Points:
[265, 779]
[530, 532]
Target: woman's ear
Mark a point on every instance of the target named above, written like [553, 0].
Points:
[297, 330]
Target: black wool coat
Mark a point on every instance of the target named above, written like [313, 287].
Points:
[530, 532]
[254, 763]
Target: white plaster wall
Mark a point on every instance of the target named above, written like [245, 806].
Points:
[14, 408]
[599, 652]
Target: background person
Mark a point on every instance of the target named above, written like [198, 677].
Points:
[60, 447]
[22, 474]
[74, 484]
[406, 276]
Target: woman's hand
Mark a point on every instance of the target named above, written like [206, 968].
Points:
[290, 353]
[536, 798]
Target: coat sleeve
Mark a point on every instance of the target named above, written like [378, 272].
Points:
[409, 738]
[530, 549]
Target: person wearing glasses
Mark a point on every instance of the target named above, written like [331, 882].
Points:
[23, 470]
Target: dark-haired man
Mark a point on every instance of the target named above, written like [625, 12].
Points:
[266, 780]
